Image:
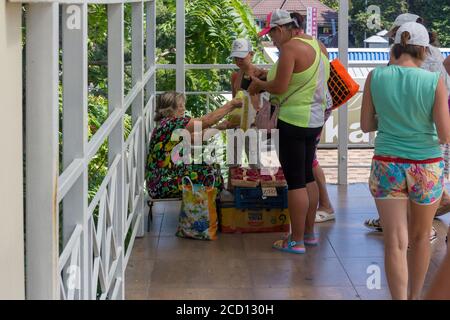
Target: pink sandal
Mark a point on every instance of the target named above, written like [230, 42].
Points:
[290, 246]
[311, 239]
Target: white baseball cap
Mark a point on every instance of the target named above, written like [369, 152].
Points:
[241, 48]
[402, 19]
[419, 34]
[277, 18]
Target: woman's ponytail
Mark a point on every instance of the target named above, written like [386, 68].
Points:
[298, 20]
[405, 36]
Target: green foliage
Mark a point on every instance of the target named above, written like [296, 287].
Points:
[211, 26]
[435, 13]
[98, 48]
[97, 115]
[359, 16]
[98, 167]
[98, 80]
[333, 4]
[98, 95]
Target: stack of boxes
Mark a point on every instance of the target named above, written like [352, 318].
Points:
[257, 208]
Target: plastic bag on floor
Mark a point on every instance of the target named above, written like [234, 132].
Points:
[198, 216]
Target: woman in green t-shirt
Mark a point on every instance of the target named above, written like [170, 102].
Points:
[408, 107]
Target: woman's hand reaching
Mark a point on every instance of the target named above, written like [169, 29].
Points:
[236, 103]
[256, 86]
[224, 125]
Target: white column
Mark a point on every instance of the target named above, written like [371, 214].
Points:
[150, 54]
[12, 274]
[343, 111]
[138, 104]
[181, 41]
[75, 129]
[116, 101]
[42, 214]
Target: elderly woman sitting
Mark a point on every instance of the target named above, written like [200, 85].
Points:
[164, 173]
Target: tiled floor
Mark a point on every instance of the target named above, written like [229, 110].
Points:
[243, 266]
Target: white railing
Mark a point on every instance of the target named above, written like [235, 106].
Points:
[97, 236]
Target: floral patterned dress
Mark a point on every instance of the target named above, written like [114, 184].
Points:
[163, 174]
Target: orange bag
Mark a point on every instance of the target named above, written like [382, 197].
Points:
[341, 85]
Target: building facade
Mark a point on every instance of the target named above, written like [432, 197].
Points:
[327, 18]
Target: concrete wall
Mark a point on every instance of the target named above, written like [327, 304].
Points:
[12, 284]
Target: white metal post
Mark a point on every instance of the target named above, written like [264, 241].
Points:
[180, 44]
[150, 55]
[75, 130]
[343, 111]
[42, 216]
[138, 104]
[116, 101]
[12, 266]
[150, 58]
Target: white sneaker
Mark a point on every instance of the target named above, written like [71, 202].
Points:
[322, 216]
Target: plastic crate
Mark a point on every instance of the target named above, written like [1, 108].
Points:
[249, 198]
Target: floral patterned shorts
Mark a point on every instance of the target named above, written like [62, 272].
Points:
[420, 181]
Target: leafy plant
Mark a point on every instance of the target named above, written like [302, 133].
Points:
[209, 34]
[359, 17]
[435, 15]
[333, 4]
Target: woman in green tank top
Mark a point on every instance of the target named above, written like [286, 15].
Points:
[299, 79]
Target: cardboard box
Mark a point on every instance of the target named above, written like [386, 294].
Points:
[233, 220]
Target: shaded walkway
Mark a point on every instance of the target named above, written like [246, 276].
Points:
[243, 266]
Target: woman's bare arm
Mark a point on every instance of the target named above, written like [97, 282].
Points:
[447, 64]
[215, 116]
[441, 114]
[369, 121]
[234, 78]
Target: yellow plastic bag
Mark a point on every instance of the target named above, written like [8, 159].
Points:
[198, 216]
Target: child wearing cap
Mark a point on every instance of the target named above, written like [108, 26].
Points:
[242, 54]
[408, 107]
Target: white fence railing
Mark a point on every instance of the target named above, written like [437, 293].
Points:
[96, 237]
